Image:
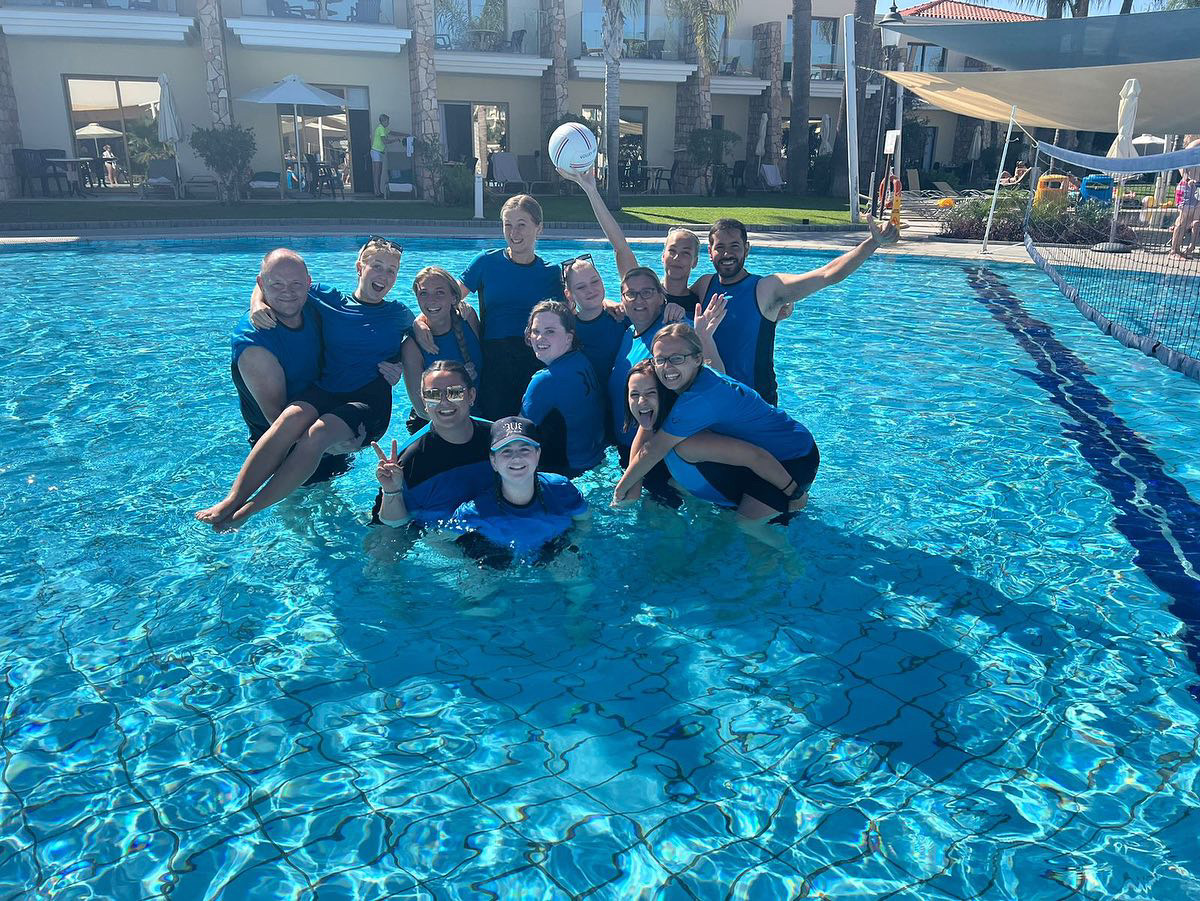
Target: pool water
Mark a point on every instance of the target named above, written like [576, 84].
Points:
[967, 670]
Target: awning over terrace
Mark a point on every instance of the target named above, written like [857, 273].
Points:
[1068, 43]
[1081, 99]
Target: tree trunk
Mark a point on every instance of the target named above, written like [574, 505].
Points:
[553, 44]
[1126, 7]
[423, 95]
[1054, 9]
[798, 150]
[614, 26]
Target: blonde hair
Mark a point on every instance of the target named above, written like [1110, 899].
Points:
[377, 246]
[683, 332]
[687, 231]
[527, 204]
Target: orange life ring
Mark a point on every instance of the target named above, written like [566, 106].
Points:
[897, 189]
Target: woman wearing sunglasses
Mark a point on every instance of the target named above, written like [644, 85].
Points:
[444, 466]
[350, 404]
[704, 400]
[455, 337]
[563, 400]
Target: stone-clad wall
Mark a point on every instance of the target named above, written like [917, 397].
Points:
[768, 65]
[423, 84]
[216, 67]
[10, 127]
[553, 46]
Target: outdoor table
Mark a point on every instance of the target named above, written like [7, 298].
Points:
[483, 38]
[72, 163]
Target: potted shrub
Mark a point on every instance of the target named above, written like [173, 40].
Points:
[227, 151]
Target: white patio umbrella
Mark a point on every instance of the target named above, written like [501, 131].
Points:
[826, 134]
[292, 89]
[95, 131]
[1122, 147]
[761, 147]
[170, 129]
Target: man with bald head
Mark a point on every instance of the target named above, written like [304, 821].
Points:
[272, 366]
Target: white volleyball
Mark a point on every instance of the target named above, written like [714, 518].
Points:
[572, 147]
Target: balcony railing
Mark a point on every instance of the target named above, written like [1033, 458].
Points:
[481, 36]
[737, 57]
[154, 6]
[365, 12]
[658, 37]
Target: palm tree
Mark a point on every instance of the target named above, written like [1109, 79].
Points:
[613, 32]
[798, 151]
[699, 19]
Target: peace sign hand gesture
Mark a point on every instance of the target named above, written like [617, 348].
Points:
[388, 472]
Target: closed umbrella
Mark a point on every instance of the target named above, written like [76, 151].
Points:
[170, 129]
[293, 90]
[761, 148]
[976, 149]
[1123, 148]
[826, 134]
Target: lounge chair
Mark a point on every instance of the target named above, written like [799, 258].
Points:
[947, 191]
[772, 180]
[200, 185]
[400, 181]
[161, 176]
[263, 182]
[506, 171]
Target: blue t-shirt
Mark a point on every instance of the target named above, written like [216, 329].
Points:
[600, 339]
[633, 349]
[566, 403]
[746, 338]
[448, 348]
[298, 351]
[358, 337]
[508, 291]
[440, 476]
[523, 529]
[719, 404]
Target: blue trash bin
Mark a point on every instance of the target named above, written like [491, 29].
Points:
[1098, 188]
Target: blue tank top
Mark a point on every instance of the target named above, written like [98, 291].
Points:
[717, 403]
[746, 339]
[565, 401]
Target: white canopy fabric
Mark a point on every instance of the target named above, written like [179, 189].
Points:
[96, 130]
[1076, 99]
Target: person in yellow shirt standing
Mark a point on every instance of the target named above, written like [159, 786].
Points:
[382, 137]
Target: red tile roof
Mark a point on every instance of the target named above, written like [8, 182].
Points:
[965, 12]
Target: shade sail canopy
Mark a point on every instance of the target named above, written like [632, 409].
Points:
[1078, 99]
[295, 91]
[1067, 43]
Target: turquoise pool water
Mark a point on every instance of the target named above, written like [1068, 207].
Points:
[968, 670]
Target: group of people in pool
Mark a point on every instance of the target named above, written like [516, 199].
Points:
[511, 403]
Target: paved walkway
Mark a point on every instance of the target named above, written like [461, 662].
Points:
[919, 239]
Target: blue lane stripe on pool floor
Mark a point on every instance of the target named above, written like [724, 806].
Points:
[1155, 513]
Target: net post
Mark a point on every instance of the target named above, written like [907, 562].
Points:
[1012, 117]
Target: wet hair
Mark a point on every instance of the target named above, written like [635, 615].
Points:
[684, 332]
[646, 367]
[687, 231]
[559, 309]
[439, 272]
[448, 366]
[280, 254]
[527, 204]
[645, 271]
[727, 225]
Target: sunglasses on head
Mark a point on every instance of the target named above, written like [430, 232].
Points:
[386, 242]
[455, 394]
[582, 258]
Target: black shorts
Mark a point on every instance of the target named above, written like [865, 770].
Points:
[370, 406]
[737, 481]
[508, 365]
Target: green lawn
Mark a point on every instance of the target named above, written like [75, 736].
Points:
[754, 209]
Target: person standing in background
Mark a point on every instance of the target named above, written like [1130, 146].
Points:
[382, 137]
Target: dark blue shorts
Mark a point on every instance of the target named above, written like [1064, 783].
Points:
[370, 406]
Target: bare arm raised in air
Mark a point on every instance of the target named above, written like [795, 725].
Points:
[587, 180]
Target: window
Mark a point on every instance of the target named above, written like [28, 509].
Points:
[633, 130]
[467, 24]
[330, 134]
[926, 58]
[473, 130]
[825, 58]
[117, 116]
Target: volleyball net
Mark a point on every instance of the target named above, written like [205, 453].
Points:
[1114, 239]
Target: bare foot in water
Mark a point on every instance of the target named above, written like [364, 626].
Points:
[233, 520]
[799, 503]
[217, 512]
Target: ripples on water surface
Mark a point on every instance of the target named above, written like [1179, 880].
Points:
[956, 681]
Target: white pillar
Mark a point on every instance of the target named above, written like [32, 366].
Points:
[899, 121]
[851, 115]
[478, 194]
